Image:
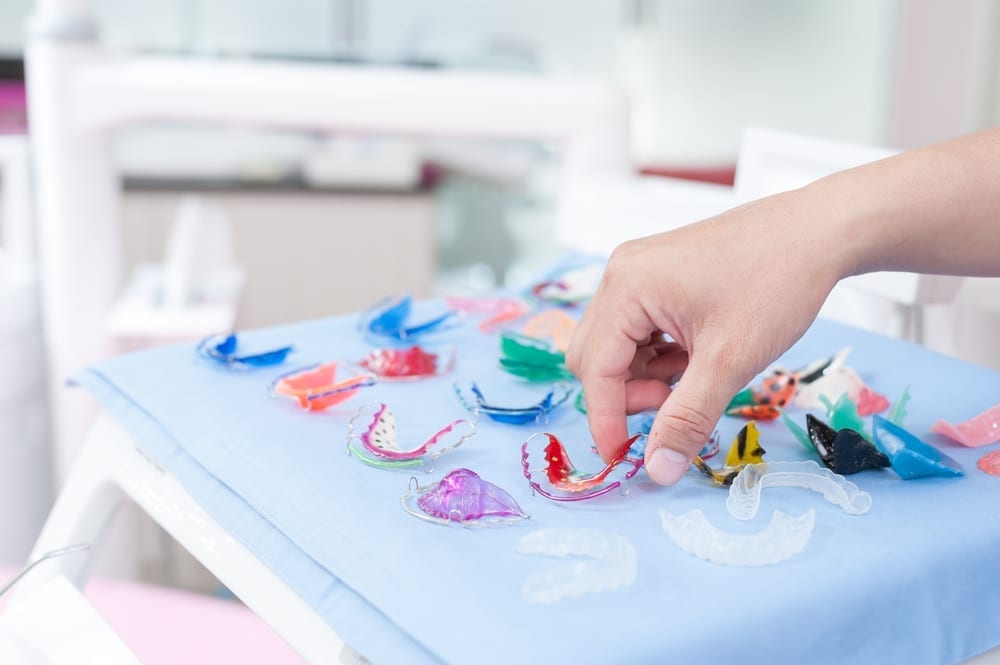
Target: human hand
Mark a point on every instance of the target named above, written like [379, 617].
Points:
[732, 293]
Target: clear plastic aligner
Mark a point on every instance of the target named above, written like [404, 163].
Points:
[610, 563]
[782, 539]
[744, 494]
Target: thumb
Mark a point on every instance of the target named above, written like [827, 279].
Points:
[686, 419]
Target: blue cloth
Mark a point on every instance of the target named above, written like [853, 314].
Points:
[916, 580]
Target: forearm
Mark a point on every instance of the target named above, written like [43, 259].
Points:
[932, 210]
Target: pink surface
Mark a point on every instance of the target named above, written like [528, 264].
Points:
[13, 108]
[168, 627]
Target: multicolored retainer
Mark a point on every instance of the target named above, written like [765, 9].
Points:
[643, 424]
[410, 363]
[570, 286]
[377, 444]
[553, 324]
[472, 399]
[223, 350]
[498, 311]
[564, 482]
[745, 449]
[766, 402]
[532, 359]
[388, 322]
[316, 387]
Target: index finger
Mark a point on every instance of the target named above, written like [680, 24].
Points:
[605, 398]
[606, 355]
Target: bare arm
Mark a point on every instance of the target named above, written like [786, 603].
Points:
[933, 210]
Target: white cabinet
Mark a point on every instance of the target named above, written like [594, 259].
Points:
[307, 254]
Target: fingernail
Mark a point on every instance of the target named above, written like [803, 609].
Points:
[666, 466]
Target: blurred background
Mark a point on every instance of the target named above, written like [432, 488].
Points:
[173, 169]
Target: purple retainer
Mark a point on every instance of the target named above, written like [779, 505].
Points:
[462, 497]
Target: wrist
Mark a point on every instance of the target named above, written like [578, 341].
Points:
[847, 225]
[819, 233]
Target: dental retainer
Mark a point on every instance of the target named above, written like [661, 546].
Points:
[743, 501]
[784, 537]
[387, 322]
[471, 397]
[981, 430]
[532, 359]
[564, 482]
[608, 563]
[377, 442]
[462, 498]
[223, 350]
[317, 388]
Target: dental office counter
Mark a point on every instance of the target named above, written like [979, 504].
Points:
[265, 496]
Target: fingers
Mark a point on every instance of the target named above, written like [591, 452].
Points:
[645, 395]
[606, 405]
[578, 341]
[604, 369]
[653, 347]
[640, 395]
[665, 365]
[686, 420]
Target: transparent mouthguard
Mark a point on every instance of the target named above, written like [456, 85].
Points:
[780, 540]
[609, 563]
[744, 494]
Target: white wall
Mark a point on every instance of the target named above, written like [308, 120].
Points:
[946, 79]
[567, 36]
[13, 14]
[699, 70]
[822, 67]
[302, 27]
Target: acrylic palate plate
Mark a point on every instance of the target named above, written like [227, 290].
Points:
[224, 351]
[564, 482]
[317, 387]
[911, 457]
[532, 359]
[472, 398]
[464, 499]
[845, 451]
[409, 363]
[980, 430]
[372, 438]
[388, 321]
[497, 311]
[745, 449]
[990, 463]
[570, 286]
[554, 324]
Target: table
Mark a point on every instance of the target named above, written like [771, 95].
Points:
[317, 543]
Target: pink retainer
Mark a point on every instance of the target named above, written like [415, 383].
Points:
[982, 430]
[990, 463]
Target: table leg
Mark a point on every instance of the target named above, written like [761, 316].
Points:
[110, 468]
